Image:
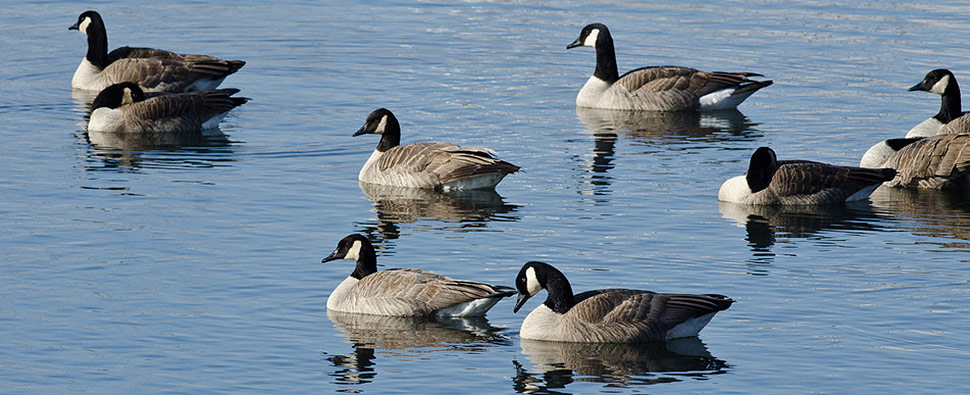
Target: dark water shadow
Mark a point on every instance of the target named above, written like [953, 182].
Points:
[943, 216]
[655, 129]
[427, 209]
[555, 365]
[373, 337]
[767, 225]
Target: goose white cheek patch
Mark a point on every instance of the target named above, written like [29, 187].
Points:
[354, 252]
[83, 27]
[591, 38]
[381, 126]
[531, 282]
[940, 86]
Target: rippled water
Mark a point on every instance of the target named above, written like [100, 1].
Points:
[194, 266]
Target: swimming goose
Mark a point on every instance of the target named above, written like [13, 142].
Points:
[934, 162]
[125, 108]
[428, 164]
[405, 292]
[799, 182]
[608, 315]
[154, 70]
[659, 88]
[951, 119]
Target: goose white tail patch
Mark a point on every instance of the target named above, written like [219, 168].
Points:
[591, 38]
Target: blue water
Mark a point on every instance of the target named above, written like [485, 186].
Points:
[196, 269]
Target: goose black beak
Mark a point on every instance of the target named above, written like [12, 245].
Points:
[577, 43]
[73, 27]
[519, 302]
[362, 130]
[332, 257]
[918, 87]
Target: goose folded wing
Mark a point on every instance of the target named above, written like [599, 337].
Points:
[794, 178]
[423, 291]
[688, 80]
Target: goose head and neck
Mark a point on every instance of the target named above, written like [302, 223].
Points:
[943, 83]
[381, 121]
[597, 36]
[117, 95]
[536, 276]
[91, 24]
[761, 169]
[356, 247]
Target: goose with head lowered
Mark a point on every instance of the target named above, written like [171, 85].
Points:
[405, 292]
[800, 182]
[154, 70]
[428, 164]
[951, 119]
[608, 315]
[659, 88]
[125, 108]
[935, 162]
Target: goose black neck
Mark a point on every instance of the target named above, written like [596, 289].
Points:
[560, 293]
[97, 43]
[605, 58]
[366, 262]
[761, 169]
[950, 107]
[391, 137]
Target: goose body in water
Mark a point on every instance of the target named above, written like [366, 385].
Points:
[659, 88]
[154, 70]
[429, 164]
[935, 162]
[800, 182]
[609, 315]
[125, 108]
[405, 292]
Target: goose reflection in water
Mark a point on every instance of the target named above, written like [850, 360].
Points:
[938, 214]
[654, 128]
[557, 364]
[460, 211]
[765, 225]
[373, 336]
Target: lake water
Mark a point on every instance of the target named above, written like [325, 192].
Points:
[197, 269]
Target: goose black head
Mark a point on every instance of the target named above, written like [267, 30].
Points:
[761, 169]
[938, 81]
[117, 95]
[536, 276]
[358, 248]
[590, 36]
[381, 121]
[86, 19]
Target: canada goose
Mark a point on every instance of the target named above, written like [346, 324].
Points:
[951, 119]
[428, 164]
[659, 88]
[934, 162]
[608, 315]
[154, 70]
[125, 108]
[789, 182]
[405, 292]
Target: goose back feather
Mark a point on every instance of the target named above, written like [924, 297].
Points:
[935, 162]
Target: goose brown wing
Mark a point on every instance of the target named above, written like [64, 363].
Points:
[425, 291]
[186, 110]
[641, 315]
[449, 162]
[958, 125]
[198, 64]
[794, 178]
[688, 80]
[932, 162]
